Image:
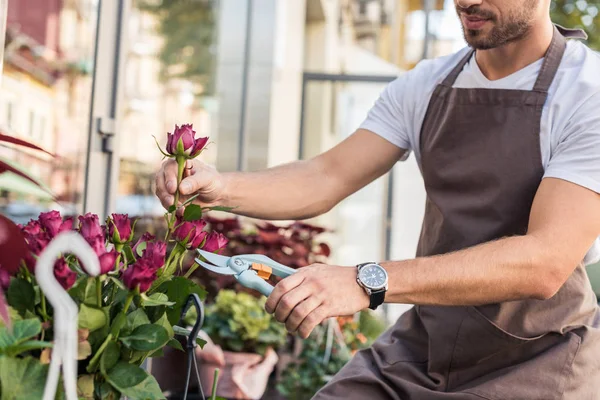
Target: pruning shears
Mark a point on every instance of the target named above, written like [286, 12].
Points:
[250, 270]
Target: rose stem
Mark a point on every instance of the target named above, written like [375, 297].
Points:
[98, 292]
[191, 270]
[214, 388]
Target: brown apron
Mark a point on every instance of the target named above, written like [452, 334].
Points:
[481, 164]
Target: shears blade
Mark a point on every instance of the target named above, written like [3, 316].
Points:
[216, 259]
[216, 269]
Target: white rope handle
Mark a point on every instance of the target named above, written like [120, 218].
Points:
[65, 310]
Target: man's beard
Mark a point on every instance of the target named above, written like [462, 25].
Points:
[516, 28]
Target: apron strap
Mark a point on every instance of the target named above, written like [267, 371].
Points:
[549, 67]
[451, 78]
[552, 61]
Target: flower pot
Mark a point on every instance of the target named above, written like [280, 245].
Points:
[241, 376]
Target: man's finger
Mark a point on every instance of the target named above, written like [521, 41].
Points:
[300, 312]
[170, 176]
[282, 288]
[290, 300]
[165, 198]
[311, 321]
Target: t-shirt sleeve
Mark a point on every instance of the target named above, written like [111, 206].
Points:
[388, 117]
[577, 157]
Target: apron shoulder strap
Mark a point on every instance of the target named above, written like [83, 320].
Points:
[553, 57]
[451, 78]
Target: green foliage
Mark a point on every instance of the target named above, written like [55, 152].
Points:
[178, 289]
[238, 322]
[19, 340]
[188, 30]
[311, 370]
[579, 14]
[134, 382]
[193, 212]
[22, 378]
[21, 295]
[306, 375]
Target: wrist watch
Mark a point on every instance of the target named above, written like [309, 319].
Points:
[373, 278]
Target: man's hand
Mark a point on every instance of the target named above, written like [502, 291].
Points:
[303, 300]
[199, 178]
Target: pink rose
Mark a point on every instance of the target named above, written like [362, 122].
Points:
[51, 221]
[215, 241]
[184, 230]
[66, 225]
[146, 237]
[64, 275]
[98, 244]
[189, 233]
[32, 228]
[155, 252]
[119, 228]
[107, 262]
[90, 227]
[141, 274]
[4, 279]
[183, 142]
[198, 239]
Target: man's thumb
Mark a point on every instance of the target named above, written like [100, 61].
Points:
[189, 185]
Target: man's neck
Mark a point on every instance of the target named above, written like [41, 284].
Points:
[505, 60]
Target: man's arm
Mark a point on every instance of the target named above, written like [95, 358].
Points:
[564, 223]
[305, 189]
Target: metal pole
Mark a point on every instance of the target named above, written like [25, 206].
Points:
[3, 18]
[427, 7]
[241, 161]
[302, 123]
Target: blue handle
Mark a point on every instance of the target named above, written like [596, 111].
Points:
[251, 280]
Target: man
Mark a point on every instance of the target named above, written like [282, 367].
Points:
[507, 136]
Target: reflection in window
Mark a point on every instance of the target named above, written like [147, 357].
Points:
[47, 73]
[170, 73]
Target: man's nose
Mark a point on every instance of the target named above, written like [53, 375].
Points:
[467, 3]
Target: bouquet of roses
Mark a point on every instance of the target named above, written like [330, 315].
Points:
[126, 314]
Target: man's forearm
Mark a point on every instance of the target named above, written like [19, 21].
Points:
[291, 191]
[508, 269]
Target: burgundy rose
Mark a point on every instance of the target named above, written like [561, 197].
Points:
[141, 274]
[66, 225]
[215, 241]
[146, 237]
[183, 142]
[90, 227]
[32, 228]
[37, 243]
[98, 244]
[4, 279]
[107, 262]
[198, 239]
[184, 230]
[64, 275]
[190, 234]
[51, 222]
[119, 228]
[155, 252]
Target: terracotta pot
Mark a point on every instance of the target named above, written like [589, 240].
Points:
[241, 376]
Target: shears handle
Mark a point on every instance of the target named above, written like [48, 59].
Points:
[251, 280]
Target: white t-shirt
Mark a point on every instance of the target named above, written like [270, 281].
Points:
[570, 125]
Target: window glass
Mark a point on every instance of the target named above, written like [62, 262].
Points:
[46, 91]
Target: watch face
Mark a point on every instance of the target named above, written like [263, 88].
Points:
[373, 276]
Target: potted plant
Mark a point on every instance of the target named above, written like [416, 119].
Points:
[243, 339]
[126, 315]
[320, 359]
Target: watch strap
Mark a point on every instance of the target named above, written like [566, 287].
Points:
[376, 298]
